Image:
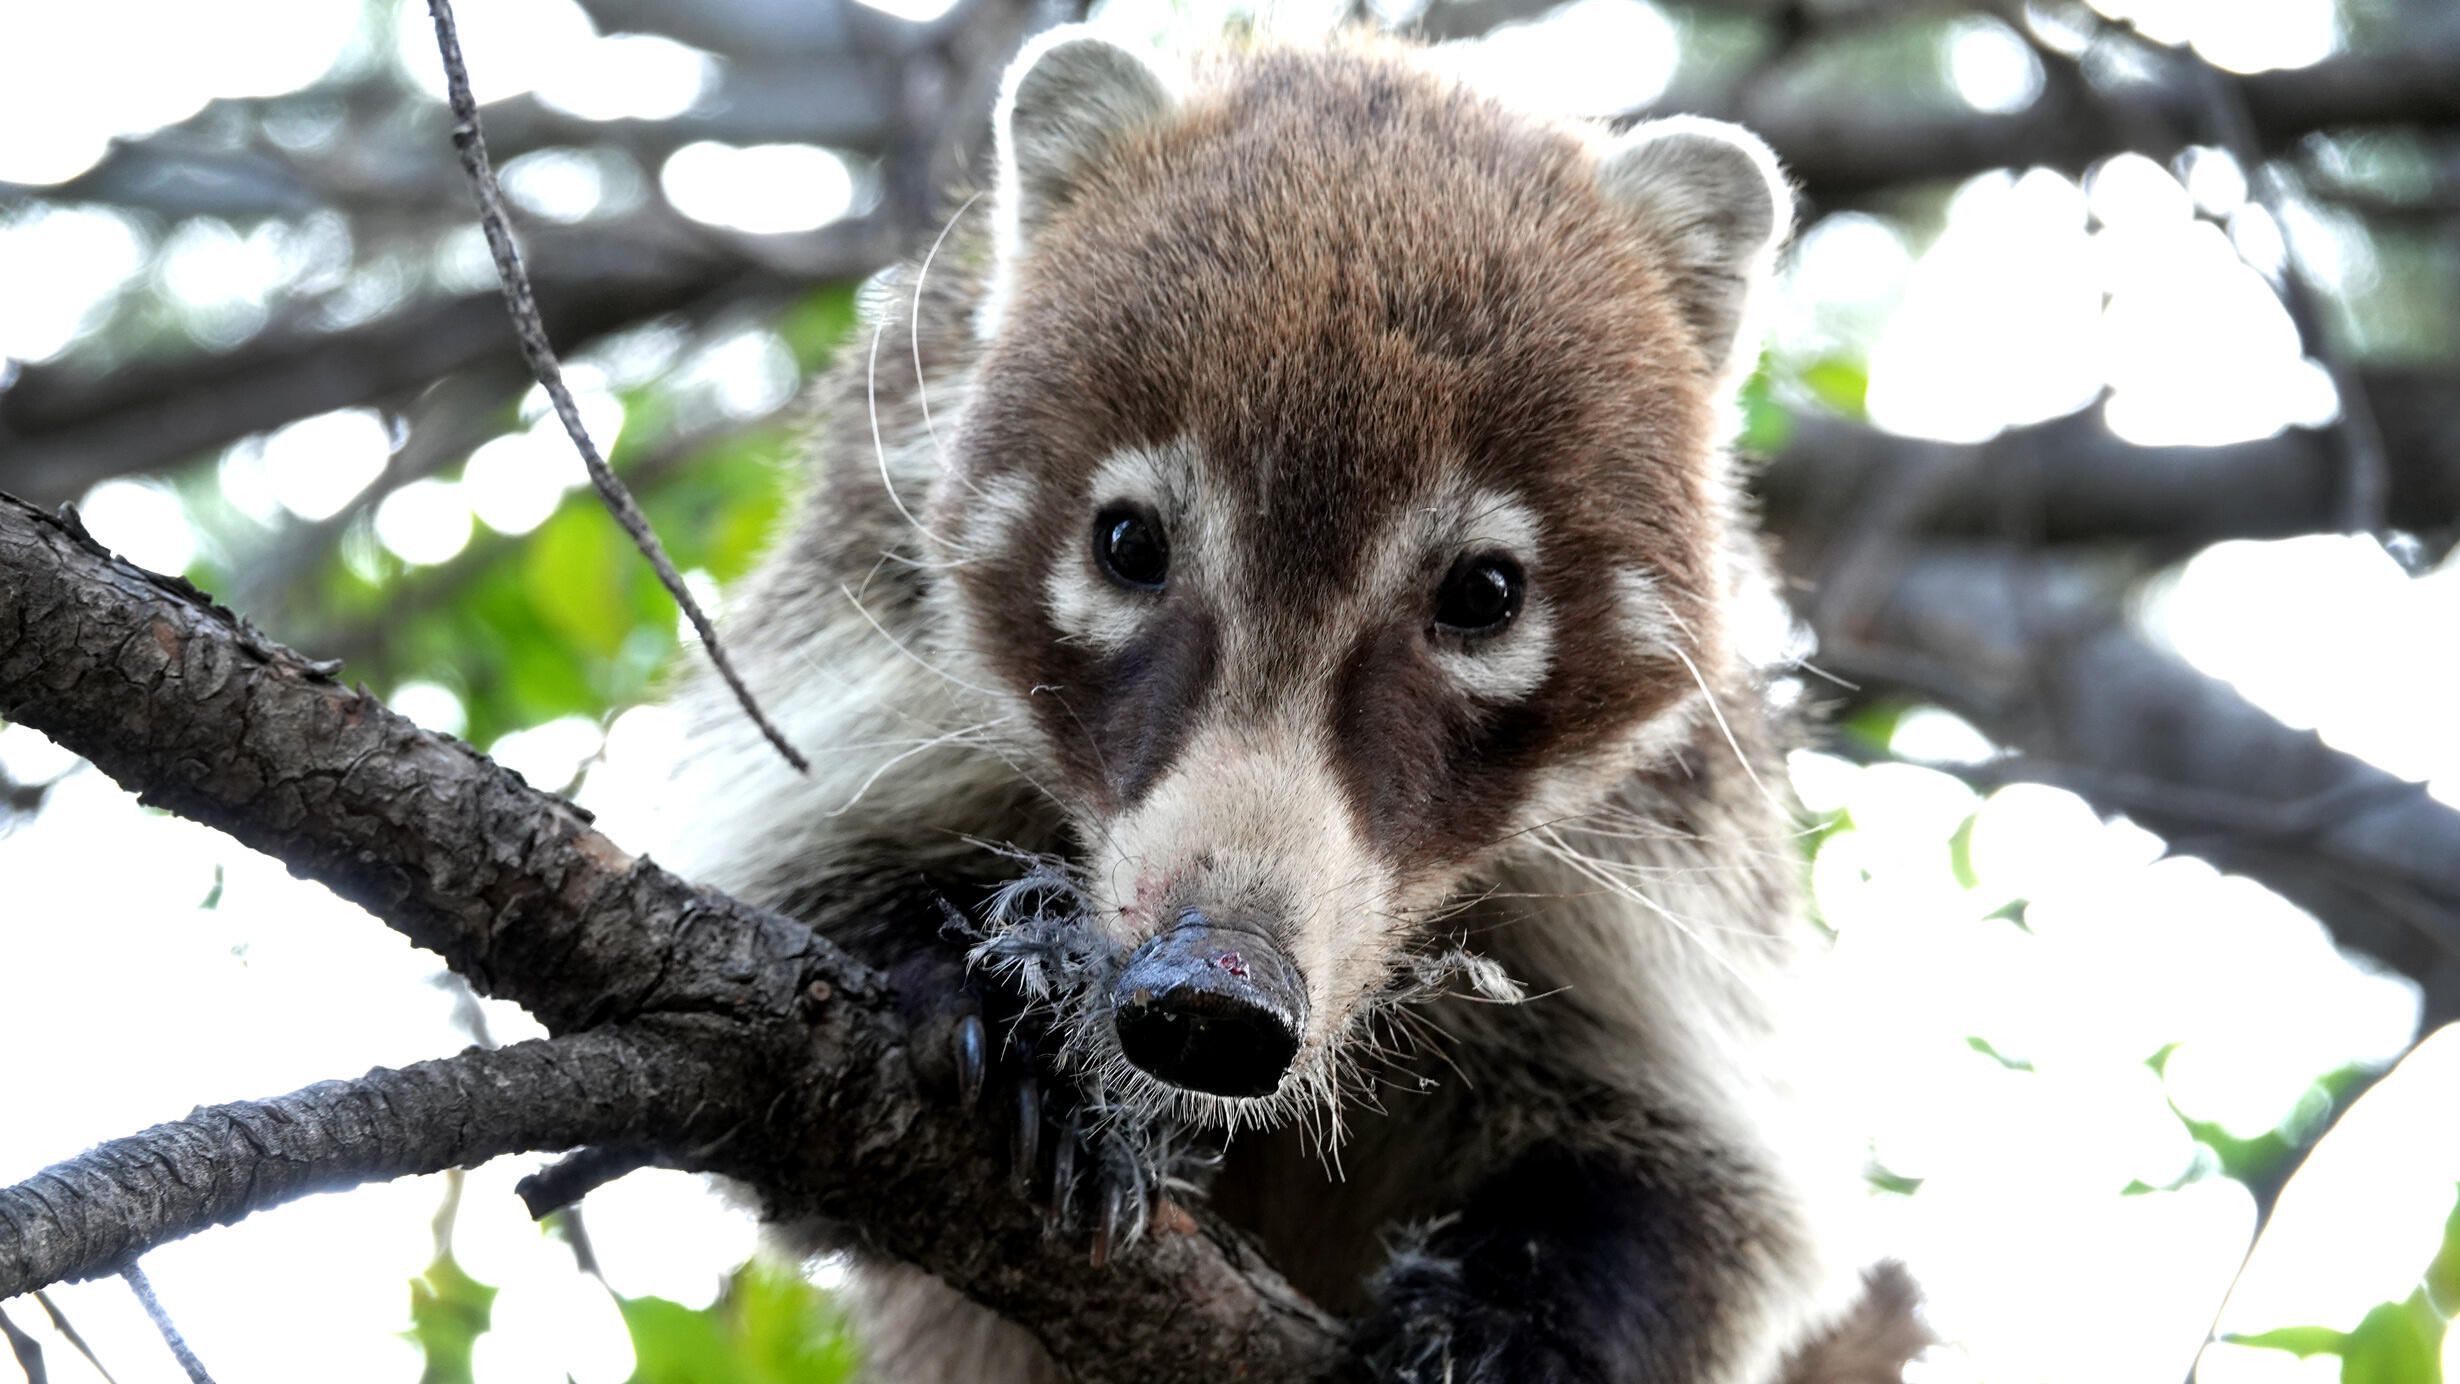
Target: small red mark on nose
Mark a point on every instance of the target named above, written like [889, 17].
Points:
[1233, 963]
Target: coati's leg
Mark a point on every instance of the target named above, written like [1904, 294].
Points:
[1589, 1267]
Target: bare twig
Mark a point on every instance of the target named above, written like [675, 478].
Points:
[144, 1290]
[29, 1352]
[471, 143]
[560, 1184]
[68, 1331]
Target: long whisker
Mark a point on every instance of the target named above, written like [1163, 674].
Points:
[922, 276]
[961, 732]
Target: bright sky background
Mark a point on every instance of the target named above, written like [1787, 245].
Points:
[2037, 295]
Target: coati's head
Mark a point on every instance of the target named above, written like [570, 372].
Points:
[1340, 493]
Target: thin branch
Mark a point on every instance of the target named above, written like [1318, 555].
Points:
[144, 1289]
[29, 1352]
[95, 1213]
[558, 1185]
[68, 1332]
[471, 143]
[416, 593]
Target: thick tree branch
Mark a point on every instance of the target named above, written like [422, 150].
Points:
[830, 1105]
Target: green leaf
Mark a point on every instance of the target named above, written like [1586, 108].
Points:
[2443, 1275]
[574, 576]
[449, 1311]
[817, 325]
[213, 896]
[2397, 1343]
[1874, 726]
[1843, 385]
[2301, 1341]
[768, 1327]
[1887, 1181]
[1767, 424]
[2013, 1064]
[1960, 853]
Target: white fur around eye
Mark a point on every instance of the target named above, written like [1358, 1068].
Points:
[1507, 666]
[1512, 663]
[1089, 608]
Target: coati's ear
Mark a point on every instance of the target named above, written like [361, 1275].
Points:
[1067, 99]
[1709, 196]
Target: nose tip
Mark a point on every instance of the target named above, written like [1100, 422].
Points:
[1211, 1009]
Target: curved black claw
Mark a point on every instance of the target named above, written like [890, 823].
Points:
[973, 1045]
[1027, 1149]
[1118, 1221]
[1063, 1170]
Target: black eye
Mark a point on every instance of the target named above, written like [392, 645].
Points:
[1480, 594]
[1128, 543]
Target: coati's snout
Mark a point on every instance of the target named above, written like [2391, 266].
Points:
[1211, 1007]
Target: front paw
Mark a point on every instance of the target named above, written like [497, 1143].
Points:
[1101, 1178]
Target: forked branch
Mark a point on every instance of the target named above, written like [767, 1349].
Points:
[688, 1024]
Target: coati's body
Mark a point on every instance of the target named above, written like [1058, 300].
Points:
[1333, 333]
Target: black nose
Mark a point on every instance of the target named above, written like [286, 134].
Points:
[1212, 1009]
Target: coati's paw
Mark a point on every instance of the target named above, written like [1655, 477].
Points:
[1091, 1175]
[1431, 1329]
[1096, 1174]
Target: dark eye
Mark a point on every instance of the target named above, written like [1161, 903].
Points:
[1128, 543]
[1480, 594]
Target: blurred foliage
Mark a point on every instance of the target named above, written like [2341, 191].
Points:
[567, 619]
[449, 1311]
[2269, 1156]
[2396, 1342]
[769, 1326]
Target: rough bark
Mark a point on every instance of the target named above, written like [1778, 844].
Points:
[725, 1038]
[96, 1212]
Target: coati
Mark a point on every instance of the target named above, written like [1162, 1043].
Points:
[1274, 569]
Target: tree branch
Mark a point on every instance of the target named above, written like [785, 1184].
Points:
[61, 429]
[850, 1118]
[93, 1214]
[1843, 143]
[2072, 480]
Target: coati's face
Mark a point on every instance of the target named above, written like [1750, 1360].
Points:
[1338, 496]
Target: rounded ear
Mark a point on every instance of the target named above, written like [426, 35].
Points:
[1709, 196]
[1067, 99]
